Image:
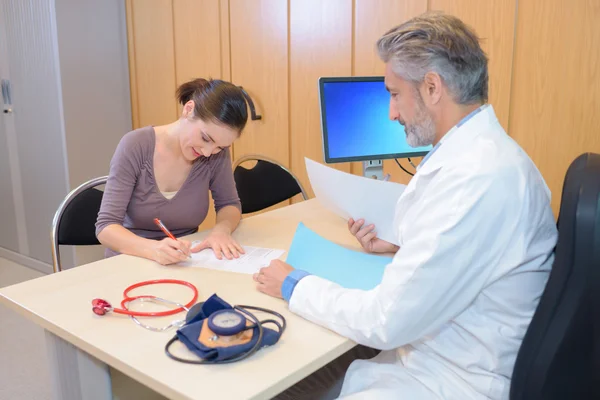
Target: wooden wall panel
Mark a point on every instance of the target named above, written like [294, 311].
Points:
[224, 29]
[555, 99]
[320, 45]
[197, 38]
[135, 115]
[198, 29]
[372, 19]
[259, 56]
[278, 53]
[151, 26]
[494, 22]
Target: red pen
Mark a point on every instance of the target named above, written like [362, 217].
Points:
[165, 230]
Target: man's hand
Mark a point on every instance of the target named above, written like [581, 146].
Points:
[269, 279]
[367, 237]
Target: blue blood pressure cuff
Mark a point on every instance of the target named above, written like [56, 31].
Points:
[209, 333]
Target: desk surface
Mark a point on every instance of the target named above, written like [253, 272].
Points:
[60, 303]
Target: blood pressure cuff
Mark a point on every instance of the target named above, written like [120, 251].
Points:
[196, 335]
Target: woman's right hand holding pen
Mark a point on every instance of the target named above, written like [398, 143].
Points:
[169, 251]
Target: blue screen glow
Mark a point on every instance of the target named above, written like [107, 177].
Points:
[357, 122]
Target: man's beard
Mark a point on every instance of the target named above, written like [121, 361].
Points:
[422, 131]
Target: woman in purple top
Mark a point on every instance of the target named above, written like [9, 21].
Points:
[167, 171]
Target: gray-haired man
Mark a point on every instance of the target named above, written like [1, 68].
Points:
[475, 229]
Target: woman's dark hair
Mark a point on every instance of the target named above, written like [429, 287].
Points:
[215, 100]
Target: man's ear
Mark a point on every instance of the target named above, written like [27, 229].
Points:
[432, 88]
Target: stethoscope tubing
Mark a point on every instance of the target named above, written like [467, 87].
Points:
[127, 299]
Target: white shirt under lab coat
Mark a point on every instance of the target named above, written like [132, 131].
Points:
[476, 235]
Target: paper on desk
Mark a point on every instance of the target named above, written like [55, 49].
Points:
[248, 263]
[356, 197]
[319, 256]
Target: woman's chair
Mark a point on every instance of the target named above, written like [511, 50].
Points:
[264, 185]
[560, 354]
[75, 219]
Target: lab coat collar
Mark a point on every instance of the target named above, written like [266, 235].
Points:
[458, 139]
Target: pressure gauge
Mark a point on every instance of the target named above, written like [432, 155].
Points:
[226, 322]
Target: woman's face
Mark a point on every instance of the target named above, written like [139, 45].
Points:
[204, 138]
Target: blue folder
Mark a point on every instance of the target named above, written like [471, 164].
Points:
[319, 256]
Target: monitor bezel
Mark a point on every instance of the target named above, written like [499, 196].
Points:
[324, 133]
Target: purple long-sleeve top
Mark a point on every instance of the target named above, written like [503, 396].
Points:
[132, 198]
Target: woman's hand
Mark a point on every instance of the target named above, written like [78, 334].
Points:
[367, 237]
[222, 243]
[169, 251]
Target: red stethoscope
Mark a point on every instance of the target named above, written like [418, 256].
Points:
[103, 307]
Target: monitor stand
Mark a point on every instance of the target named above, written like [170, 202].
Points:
[373, 169]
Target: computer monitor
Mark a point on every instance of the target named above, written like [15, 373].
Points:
[356, 126]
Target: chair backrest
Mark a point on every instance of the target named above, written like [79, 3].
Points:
[264, 185]
[75, 219]
[559, 357]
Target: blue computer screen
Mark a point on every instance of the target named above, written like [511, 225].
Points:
[356, 124]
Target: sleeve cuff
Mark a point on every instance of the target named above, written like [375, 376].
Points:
[287, 288]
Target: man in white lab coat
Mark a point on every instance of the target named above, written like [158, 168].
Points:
[475, 229]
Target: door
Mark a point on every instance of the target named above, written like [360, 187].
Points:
[32, 60]
[11, 231]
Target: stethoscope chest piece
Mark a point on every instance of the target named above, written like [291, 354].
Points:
[101, 306]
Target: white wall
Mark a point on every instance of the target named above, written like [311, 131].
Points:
[95, 89]
[32, 67]
[68, 65]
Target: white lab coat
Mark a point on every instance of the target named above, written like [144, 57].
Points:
[476, 235]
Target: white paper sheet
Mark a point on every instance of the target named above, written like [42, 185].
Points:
[248, 263]
[352, 196]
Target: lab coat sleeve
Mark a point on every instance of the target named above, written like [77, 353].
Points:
[444, 262]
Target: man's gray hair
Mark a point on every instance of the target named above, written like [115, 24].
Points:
[436, 42]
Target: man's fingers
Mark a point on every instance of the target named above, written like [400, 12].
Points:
[356, 226]
[261, 288]
[366, 240]
[364, 231]
[259, 277]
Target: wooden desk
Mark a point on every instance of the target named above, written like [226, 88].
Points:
[60, 303]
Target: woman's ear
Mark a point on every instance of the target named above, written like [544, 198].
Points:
[188, 109]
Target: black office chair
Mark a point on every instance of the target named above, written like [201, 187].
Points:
[264, 185]
[75, 219]
[559, 358]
